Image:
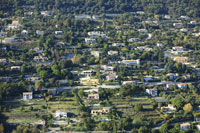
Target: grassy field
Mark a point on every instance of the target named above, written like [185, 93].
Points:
[15, 113]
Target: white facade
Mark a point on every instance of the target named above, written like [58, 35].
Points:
[95, 34]
[131, 62]
[90, 40]
[27, 96]
[61, 114]
[152, 92]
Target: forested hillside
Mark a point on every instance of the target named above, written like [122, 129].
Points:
[172, 7]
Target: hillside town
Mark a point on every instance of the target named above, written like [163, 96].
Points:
[133, 71]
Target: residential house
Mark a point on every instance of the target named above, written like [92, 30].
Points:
[198, 127]
[88, 73]
[111, 77]
[45, 13]
[61, 114]
[130, 62]
[38, 50]
[177, 25]
[160, 44]
[9, 40]
[169, 85]
[193, 22]
[52, 91]
[182, 85]
[184, 126]
[39, 32]
[58, 33]
[143, 30]
[28, 13]
[120, 45]
[96, 53]
[18, 68]
[133, 40]
[82, 17]
[167, 17]
[95, 34]
[187, 77]
[153, 92]
[178, 48]
[129, 83]
[90, 41]
[111, 52]
[107, 68]
[32, 79]
[101, 111]
[3, 60]
[180, 59]
[27, 96]
[184, 30]
[95, 17]
[184, 17]
[40, 58]
[148, 78]
[170, 107]
[172, 76]
[93, 96]
[14, 25]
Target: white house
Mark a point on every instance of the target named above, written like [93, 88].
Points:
[88, 73]
[160, 44]
[182, 85]
[172, 76]
[118, 45]
[111, 77]
[95, 34]
[40, 58]
[198, 127]
[3, 60]
[9, 40]
[61, 114]
[152, 92]
[133, 40]
[14, 25]
[90, 41]
[130, 62]
[129, 83]
[93, 96]
[178, 48]
[111, 52]
[18, 68]
[143, 30]
[27, 96]
[169, 85]
[177, 25]
[184, 126]
[167, 17]
[96, 53]
[184, 30]
[45, 13]
[170, 107]
[39, 32]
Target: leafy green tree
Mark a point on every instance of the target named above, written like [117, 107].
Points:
[138, 108]
[164, 128]
[43, 74]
